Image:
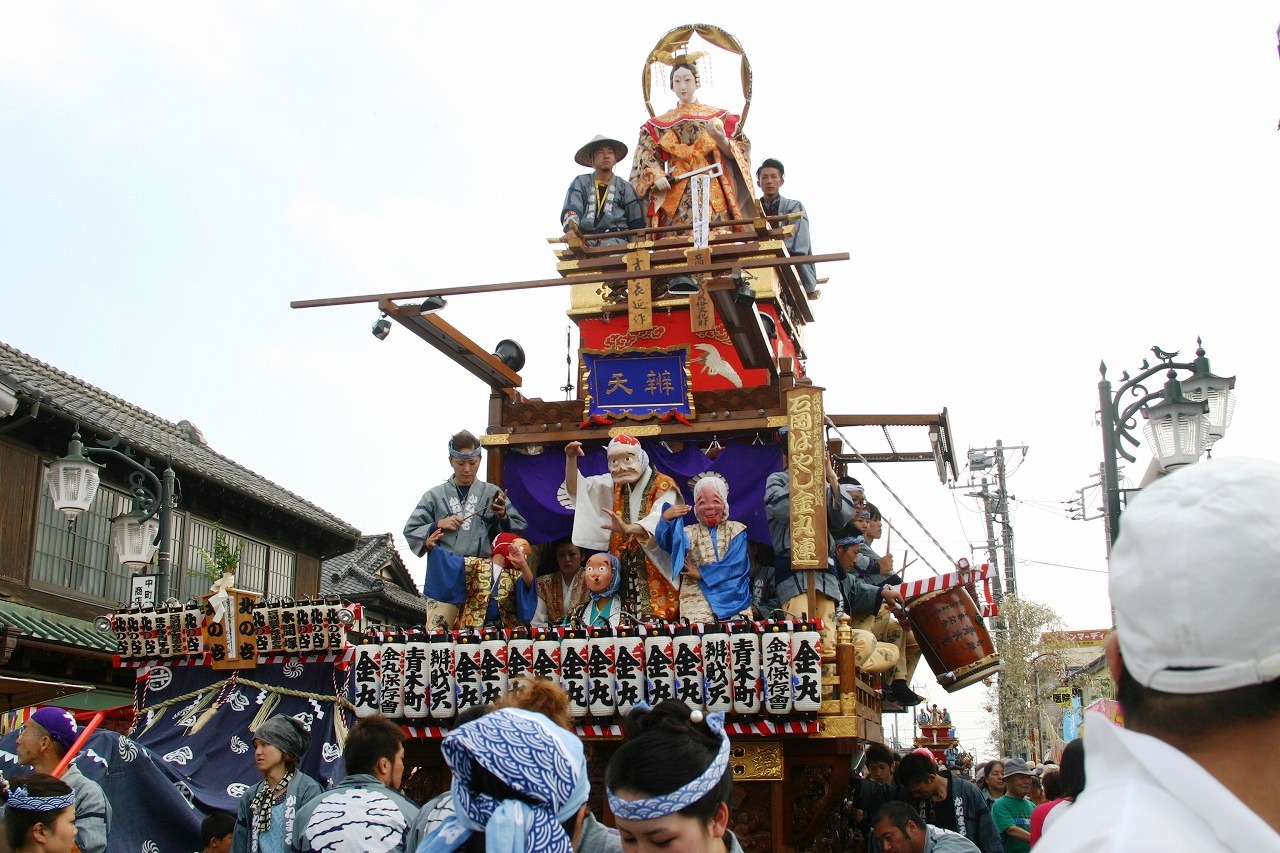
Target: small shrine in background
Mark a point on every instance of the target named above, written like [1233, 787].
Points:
[938, 735]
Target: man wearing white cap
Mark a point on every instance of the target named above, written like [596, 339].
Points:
[1199, 684]
[601, 202]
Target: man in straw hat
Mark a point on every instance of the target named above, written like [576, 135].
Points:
[601, 202]
[1196, 660]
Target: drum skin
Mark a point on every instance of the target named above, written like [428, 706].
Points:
[953, 638]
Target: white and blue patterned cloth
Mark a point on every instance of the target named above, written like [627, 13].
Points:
[685, 796]
[533, 756]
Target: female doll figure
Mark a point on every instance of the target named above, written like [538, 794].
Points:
[686, 138]
[595, 595]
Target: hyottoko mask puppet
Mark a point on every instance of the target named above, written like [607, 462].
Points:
[711, 500]
[602, 575]
[627, 460]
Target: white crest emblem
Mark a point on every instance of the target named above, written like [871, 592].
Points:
[305, 719]
[238, 746]
[331, 752]
[128, 749]
[180, 756]
[93, 756]
[315, 706]
[236, 790]
[186, 793]
[293, 669]
[159, 678]
[150, 846]
[562, 495]
[238, 701]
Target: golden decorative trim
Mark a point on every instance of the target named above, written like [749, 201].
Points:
[842, 727]
[637, 431]
[829, 707]
[567, 265]
[775, 421]
[756, 760]
[495, 438]
[619, 341]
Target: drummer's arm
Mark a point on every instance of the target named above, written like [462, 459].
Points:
[891, 596]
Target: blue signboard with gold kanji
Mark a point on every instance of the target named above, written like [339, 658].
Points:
[637, 384]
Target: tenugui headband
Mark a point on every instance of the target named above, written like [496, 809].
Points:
[19, 798]
[690, 793]
[459, 454]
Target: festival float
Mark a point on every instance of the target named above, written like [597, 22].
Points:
[691, 348]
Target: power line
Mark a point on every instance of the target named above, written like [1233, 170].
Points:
[1064, 566]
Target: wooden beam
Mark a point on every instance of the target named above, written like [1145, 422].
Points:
[742, 322]
[462, 290]
[436, 331]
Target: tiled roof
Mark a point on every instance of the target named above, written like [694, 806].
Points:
[98, 411]
[37, 624]
[354, 573]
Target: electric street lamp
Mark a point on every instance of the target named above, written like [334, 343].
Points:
[1183, 418]
[73, 482]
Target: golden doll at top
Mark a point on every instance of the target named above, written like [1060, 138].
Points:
[686, 138]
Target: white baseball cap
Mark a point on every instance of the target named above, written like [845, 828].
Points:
[1195, 577]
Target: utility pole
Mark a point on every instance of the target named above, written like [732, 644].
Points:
[1006, 529]
[993, 504]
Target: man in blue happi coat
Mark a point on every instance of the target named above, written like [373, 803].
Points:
[601, 202]
[771, 176]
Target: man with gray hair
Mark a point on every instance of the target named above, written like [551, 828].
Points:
[1200, 686]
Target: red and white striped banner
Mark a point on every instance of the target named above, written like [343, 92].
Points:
[327, 657]
[425, 732]
[143, 667]
[915, 589]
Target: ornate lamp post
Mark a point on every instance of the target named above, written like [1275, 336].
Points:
[73, 482]
[1183, 418]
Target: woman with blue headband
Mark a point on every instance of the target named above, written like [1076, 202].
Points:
[669, 784]
[40, 815]
[519, 786]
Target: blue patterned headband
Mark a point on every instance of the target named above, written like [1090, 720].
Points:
[681, 798]
[536, 759]
[20, 798]
[459, 454]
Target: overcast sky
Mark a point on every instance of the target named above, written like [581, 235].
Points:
[1025, 190]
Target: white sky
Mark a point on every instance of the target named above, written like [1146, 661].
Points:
[1024, 191]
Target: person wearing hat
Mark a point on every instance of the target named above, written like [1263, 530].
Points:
[1012, 812]
[1199, 684]
[269, 809]
[44, 739]
[453, 520]
[601, 202]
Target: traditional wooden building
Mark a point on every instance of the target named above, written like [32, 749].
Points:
[56, 576]
[373, 575]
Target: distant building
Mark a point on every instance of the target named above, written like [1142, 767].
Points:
[55, 577]
[374, 575]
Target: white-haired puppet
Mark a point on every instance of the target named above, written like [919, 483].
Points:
[711, 554]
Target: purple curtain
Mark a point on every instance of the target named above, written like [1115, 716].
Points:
[535, 483]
